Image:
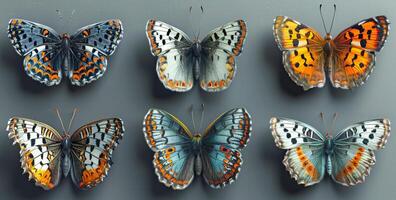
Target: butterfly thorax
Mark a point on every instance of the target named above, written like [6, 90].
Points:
[328, 50]
[66, 40]
[196, 53]
[196, 139]
[329, 146]
[66, 46]
[66, 162]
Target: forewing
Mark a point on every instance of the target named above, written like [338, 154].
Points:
[104, 36]
[303, 55]
[163, 37]
[304, 159]
[26, 35]
[219, 50]
[171, 141]
[40, 150]
[173, 48]
[354, 149]
[40, 45]
[354, 51]
[221, 145]
[370, 134]
[92, 149]
[290, 133]
[91, 47]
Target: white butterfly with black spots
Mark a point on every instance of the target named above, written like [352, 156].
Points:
[347, 158]
[181, 60]
[46, 155]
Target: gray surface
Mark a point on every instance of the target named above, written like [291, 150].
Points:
[131, 86]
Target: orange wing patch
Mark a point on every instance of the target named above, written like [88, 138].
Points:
[354, 51]
[90, 66]
[239, 45]
[42, 176]
[305, 67]
[356, 169]
[369, 34]
[301, 166]
[303, 55]
[352, 67]
[164, 164]
[93, 176]
[150, 126]
[39, 66]
[290, 34]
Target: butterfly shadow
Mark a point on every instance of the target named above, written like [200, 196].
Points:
[14, 63]
[338, 93]
[16, 182]
[273, 57]
[146, 65]
[274, 156]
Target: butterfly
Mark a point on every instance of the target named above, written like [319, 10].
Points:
[347, 158]
[180, 155]
[181, 60]
[349, 57]
[82, 57]
[46, 155]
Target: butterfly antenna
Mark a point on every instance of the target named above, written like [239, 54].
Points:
[323, 21]
[200, 20]
[71, 119]
[60, 119]
[323, 122]
[202, 116]
[332, 20]
[335, 115]
[192, 117]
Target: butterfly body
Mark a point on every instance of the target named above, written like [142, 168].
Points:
[181, 60]
[47, 156]
[348, 58]
[180, 155]
[48, 56]
[347, 158]
[66, 146]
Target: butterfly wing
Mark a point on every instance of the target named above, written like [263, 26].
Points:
[92, 149]
[303, 55]
[221, 145]
[175, 61]
[219, 49]
[353, 154]
[171, 141]
[40, 150]
[40, 45]
[354, 51]
[304, 159]
[91, 46]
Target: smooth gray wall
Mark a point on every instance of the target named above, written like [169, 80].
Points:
[130, 87]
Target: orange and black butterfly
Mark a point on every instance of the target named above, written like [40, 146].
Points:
[349, 57]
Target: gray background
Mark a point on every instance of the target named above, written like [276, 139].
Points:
[130, 87]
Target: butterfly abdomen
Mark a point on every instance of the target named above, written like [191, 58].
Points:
[198, 165]
[66, 162]
[329, 148]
